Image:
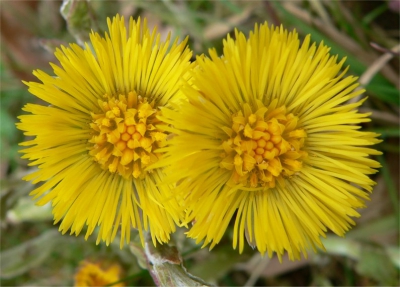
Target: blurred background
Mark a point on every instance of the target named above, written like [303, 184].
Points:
[33, 253]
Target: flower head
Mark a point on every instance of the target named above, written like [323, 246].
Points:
[266, 138]
[95, 142]
[95, 274]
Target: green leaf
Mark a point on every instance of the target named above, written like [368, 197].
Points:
[385, 92]
[375, 263]
[387, 131]
[219, 262]
[354, 249]
[382, 225]
[18, 260]
[26, 211]
[391, 186]
[137, 249]
[379, 86]
[79, 18]
[7, 127]
[394, 254]
[12, 188]
[343, 247]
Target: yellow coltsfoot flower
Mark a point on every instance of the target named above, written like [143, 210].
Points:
[93, 274]
[95, 142]
[266, 138]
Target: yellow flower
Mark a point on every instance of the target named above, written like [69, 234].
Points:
[93, 274]
[266, 138]
[95, 141]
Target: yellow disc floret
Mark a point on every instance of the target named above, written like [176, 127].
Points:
[124, 135]
[97, 274]
[264, 145]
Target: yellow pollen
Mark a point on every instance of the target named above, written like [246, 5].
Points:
[257, 149]
[261, 143]
[266, 137]
[124, 135]
[131, 129]
[269, 145]
[276, 139]
[121, 145]
[136, 136]
[131, 144]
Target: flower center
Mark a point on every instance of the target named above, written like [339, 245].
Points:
[263, 146]
[124, 135]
